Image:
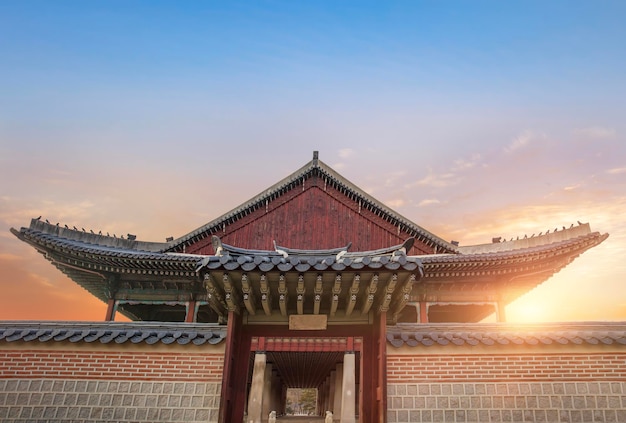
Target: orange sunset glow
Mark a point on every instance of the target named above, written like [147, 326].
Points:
[470, 130]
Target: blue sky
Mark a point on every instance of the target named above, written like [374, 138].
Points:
[473, 119]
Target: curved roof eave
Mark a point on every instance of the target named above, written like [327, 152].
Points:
[586, 242]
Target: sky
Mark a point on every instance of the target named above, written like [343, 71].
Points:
[473, 119]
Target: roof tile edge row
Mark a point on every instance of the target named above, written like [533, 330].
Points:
[112, 332]
[584, 333]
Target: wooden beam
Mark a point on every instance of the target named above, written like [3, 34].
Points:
[300, 292]
[371, 294]
[353, 294]
[336, 292]
[248, 294]
[402, 296]
[318, 290]
[266, 295]
[231, 295]
[283, 295]
[215, 295]
[386, 298]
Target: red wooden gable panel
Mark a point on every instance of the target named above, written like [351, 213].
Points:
[316, 217]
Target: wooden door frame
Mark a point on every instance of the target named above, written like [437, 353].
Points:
[373, 389]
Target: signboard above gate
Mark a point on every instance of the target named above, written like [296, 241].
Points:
[308, 322]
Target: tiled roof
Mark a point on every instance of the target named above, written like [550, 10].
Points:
[571, 240]
[113, 259]
[232, 258]
[91, 238]
[51, 240]
[108, 332]
[105, 255]
[48, 236]
[463, 334]
[525, 242]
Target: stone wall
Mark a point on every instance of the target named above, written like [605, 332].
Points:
[60, 381]
[569, 383]
[59, 400]
[507, 402]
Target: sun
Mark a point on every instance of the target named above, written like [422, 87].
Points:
[527, 312]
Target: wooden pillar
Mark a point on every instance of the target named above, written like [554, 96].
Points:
[268, 392]
[338, 401]
[357, 398]
[190, 317]
[348, 389]
[500, 312]
[110, 290]
[227, 396]
[332, 384]
[111, 306]
[283, 399]
[255, 401]
[320, 401]
[380, 342]
[423, 312]
[324, 395]
[276, 392]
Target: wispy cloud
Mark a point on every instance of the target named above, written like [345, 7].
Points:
[10, 257]
[344, 153]
[392, 178]
[437, 180]
[596, 132]
[522, 141]
[464, 164]
[428, 202]
[616, 171]
[398, 202]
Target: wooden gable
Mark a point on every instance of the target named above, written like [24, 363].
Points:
[314, 208]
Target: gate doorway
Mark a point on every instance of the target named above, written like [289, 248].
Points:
[329, 369]
[345, 364]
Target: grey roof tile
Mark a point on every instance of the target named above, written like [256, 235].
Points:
[107, 332]
[470, 334]
[233, 258]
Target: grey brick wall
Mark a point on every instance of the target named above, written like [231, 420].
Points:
[507, 402]
[47, 400]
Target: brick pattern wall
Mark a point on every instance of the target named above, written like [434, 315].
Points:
[103, 386]
[110, 365]
[507, 388]
[417, 368]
